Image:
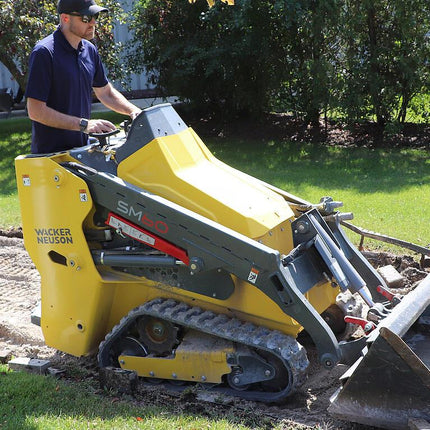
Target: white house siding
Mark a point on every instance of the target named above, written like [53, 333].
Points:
[137, 81]
[6, 80]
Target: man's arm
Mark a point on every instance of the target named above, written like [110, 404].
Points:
[40, 112]
[115, 101]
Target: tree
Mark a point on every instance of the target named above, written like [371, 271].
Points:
[365, 59]
[386, 54]
[220, 57]
[412, 52]
[309, 33]
[24, 22]
[242, 58]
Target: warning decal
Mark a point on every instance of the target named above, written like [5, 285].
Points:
[131, 231]
[125, 227]
[253, 275]
[83, 196]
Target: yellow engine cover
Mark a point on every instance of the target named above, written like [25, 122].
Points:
[181, 169]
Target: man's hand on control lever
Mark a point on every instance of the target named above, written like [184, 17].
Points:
[99, 126]
[96, 126]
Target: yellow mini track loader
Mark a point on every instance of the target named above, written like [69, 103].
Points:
[167, 262]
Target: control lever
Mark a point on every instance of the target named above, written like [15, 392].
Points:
[367, 326]
[394, 299]
[102, 137]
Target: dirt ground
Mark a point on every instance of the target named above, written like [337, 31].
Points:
[20, 291]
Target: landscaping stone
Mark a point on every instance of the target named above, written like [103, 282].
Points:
[31, 365]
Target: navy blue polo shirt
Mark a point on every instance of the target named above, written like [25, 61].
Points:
[63, 77]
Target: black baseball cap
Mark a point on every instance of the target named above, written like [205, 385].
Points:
[83, 7]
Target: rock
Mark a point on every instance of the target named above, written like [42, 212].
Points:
[32, 365]
[5, 356]
[391, 276]
[120, 380]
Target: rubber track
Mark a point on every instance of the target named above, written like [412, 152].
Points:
[285, 347]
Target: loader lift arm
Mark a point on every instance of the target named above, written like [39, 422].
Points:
[210, 245]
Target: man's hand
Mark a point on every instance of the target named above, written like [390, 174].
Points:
[99, 126]
[135, 113]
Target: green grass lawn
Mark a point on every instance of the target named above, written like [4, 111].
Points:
[388, 190]
[30, 402]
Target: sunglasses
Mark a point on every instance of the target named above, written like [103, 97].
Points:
[86, 18]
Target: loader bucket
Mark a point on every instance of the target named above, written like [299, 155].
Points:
[390, 384]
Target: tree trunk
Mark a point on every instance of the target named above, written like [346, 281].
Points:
[373, 78]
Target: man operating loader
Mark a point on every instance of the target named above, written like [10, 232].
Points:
[64, 70]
